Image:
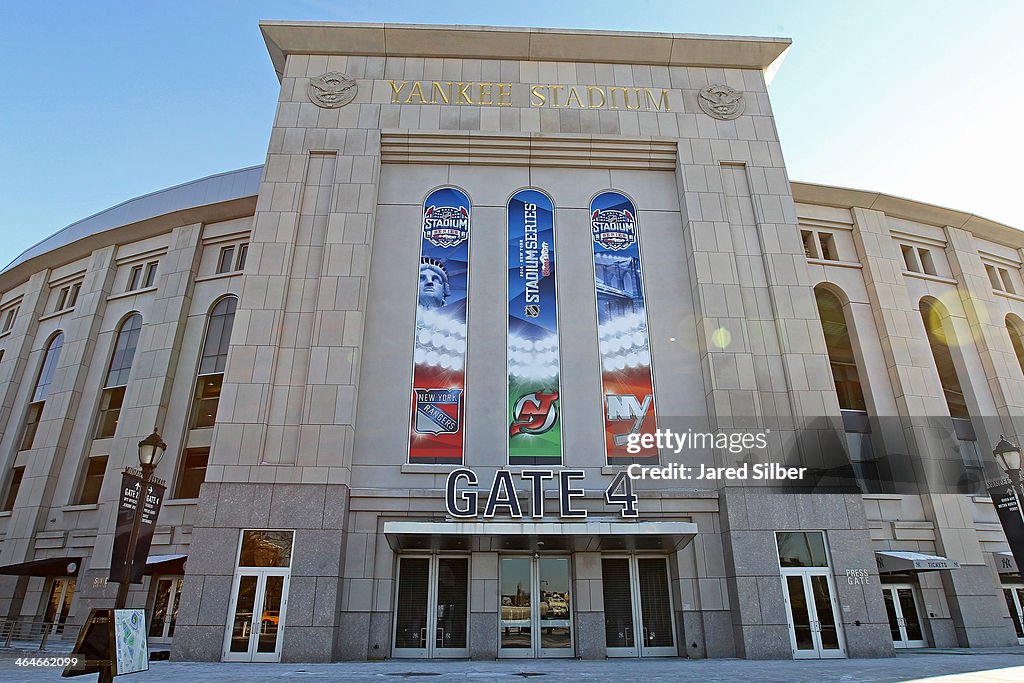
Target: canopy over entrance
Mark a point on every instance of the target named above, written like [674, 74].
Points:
[54, 566]
[891, 561]
[594, 535]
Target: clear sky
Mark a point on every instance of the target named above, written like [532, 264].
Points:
[105, 101]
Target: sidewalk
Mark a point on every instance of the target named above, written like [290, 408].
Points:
[1004, 665]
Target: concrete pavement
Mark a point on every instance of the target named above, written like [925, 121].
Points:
[933, 666]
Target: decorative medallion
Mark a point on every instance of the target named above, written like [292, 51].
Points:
[332, 90]
[721, 102]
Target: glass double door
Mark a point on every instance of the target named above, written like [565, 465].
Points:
[535, 611]
[432, 609]
[1014, 595]
[258, 603]
[59, 605]
[904, 617]
[637, 607]
[164, 612]
[814, 628]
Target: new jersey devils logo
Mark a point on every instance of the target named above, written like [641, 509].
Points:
[535, 413]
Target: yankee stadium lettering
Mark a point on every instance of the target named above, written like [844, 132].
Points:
[540, 95]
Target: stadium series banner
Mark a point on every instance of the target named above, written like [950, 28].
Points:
[535, 430]
[439, 375]
[622, 327]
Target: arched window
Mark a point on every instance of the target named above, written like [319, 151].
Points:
[212, 363]
[116, 381]
[192, 469]
[1015, 327]
[42, 388]
[840, 351]
[939, 339]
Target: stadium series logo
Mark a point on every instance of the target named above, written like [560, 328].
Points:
[446, 226]
[612, 229]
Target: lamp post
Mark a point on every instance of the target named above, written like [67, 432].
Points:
[1008, 457]
[151, 449]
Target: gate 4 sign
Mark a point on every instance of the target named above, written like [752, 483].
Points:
[462, 494]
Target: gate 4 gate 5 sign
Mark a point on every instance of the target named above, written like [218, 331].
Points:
[439, 376]
[535, 430]
[622, 327]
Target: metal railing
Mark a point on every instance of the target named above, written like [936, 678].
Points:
[22, 634]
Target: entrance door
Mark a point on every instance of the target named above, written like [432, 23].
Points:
[637, 607]
[259, 596]
[258, 603]
[1015, 602]
[59, 604]
[536, 612]
[904, 616]
[165, 609]
[432, 608]
[813, 614]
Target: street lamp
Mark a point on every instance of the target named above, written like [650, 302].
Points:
[151, 449]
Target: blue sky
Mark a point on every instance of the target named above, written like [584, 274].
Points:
[105, 101]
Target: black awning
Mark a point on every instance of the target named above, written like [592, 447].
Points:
[165, 564]
[54, 566]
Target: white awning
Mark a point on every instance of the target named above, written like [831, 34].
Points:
[589, 535]
[1005, 562]
[890, 561]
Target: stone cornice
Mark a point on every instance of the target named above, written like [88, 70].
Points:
[908, 209]
[530, 44]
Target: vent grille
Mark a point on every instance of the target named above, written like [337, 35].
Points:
[543, 150]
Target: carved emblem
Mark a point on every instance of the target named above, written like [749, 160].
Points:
[331, 90]
[721, 102]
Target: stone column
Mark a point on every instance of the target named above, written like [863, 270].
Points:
[969, 591]
[484, 595]
[589, 606]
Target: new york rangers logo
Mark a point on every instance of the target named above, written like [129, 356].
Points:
[534, 413]
[438, 411]
[446, 226]
[613, 229]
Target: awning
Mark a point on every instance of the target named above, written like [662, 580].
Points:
[1005, 562]
[165, 564]
[580, 536]
[54, 566]
[890, 561]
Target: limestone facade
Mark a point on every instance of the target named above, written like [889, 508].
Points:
[312, 402]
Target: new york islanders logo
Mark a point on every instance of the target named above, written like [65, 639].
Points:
[613, 229]
[534, 413]
[446, 226]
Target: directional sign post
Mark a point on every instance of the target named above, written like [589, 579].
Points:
[132, 488]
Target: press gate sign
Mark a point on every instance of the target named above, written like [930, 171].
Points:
[462, 494]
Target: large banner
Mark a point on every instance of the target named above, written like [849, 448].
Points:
[535, 430]
[439, 374]
[622, 327]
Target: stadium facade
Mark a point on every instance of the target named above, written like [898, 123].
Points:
[392, 435]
